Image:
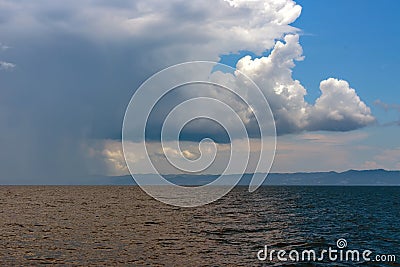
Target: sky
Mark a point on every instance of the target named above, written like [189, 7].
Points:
[69, 68]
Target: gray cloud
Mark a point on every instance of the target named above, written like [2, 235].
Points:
[79, 63]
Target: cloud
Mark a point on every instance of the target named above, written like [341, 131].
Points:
[94, 54]
[390, 156]
[6, 65]
[371, 165]
[272, 74]
[172, 27]
[320, 151]
[333, 139]
[339, 108]
[384, 159]
[3, 47]
[386, 106]
[106, 156]
[79, 64]
[308, 152]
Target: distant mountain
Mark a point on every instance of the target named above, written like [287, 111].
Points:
[351, 177]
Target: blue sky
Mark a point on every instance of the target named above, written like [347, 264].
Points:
[353, 40]
[68, 70]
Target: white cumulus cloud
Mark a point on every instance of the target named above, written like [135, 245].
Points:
[339, 108]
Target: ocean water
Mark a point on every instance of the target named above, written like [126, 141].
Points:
[121, 225]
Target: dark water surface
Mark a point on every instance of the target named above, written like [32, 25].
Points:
[121, 225]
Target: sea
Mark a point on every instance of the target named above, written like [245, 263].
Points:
[123, 226]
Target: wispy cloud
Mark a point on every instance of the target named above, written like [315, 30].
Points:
[385, 159]
[320, 151]
[386, 106]
[3, 47]
[389, 107]
[6, 65]
[333, 139]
